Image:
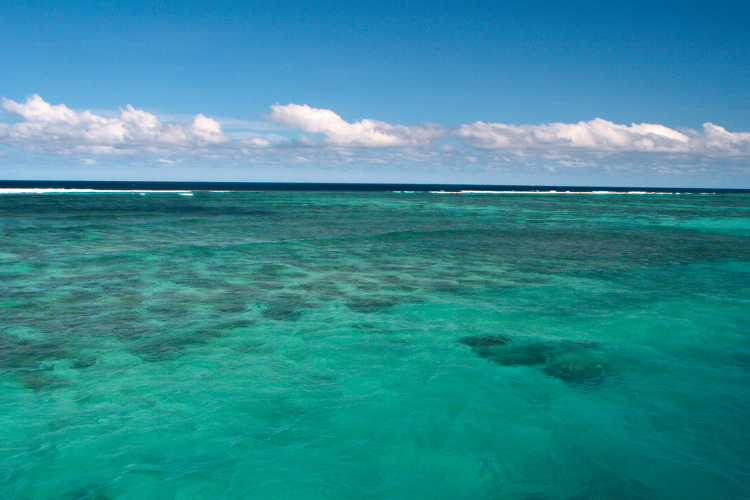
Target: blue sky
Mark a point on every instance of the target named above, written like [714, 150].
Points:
[578, 93]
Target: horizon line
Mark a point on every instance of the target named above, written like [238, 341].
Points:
[347, 186]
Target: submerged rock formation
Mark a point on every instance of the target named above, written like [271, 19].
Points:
[572, 361]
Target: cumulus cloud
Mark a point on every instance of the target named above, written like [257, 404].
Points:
[364, 133]
[325, 141]
[604, 136]
[594, 136]
[58, 128]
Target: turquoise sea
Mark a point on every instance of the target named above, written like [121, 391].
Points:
[374, 345]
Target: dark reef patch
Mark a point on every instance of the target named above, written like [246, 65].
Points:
[165, 349]
[280, 312]
[40, 379]
[575, 362]
[286, 307]
[84, 362]
[230, 307]
[322, 289]
[26, 358]
[579, 370]
[484, 340]
[371, 304]
[19, 353]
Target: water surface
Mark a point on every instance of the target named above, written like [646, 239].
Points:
[374, 345]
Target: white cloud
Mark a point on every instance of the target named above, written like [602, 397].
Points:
[35, 109]
[57, 128]
[364, 133]
[256, 142]
[327, 142]
[604, 136]
[718, 139]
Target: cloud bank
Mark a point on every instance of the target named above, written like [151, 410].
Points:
[59, 129]
[325, 140]
[605, 136]
[595, 135]
[43, 124]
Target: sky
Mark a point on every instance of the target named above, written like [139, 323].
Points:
[525, 92]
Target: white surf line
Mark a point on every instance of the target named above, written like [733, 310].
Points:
[551, 191]
[86, 191]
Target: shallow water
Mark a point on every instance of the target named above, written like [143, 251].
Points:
[374, 345]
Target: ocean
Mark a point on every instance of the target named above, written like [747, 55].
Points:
[373, 344]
